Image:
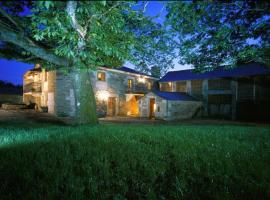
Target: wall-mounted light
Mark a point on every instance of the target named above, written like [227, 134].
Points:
[141, 79]
[103, 95]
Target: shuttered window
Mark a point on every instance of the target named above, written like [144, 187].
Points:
[181, 86]
[196, 88]
[219, 84]
[166, 87]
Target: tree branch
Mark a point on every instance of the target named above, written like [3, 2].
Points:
[21, 41]
[11, 20]
[71, 10]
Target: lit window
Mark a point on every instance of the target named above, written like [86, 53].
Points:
[149, 85]
[129, 83]
[101, 76]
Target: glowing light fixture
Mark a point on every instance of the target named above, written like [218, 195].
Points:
[141, 79]
[155, 106]
[103, 95]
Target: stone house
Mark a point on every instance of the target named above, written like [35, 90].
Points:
[169, 105]
[238, 93]
[117, 91]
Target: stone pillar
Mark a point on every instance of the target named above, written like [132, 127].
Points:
[188, 89]
[173, 86]
[205, 96]
[254, 89]
[234, 89]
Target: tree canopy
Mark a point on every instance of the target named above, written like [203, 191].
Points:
[83, 34]
[208, 34]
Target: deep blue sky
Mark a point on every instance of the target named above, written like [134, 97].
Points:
[12, 71]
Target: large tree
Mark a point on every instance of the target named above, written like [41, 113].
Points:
[78, 36]
[208, 34]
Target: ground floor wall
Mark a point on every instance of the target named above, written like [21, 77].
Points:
[169, 110]
[10, 98]
[109, 102]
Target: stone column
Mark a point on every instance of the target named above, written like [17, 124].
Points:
[205, 96]
[188, 89]
[173, 86]
[234, 88]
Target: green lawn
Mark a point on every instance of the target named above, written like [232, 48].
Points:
[134, 162]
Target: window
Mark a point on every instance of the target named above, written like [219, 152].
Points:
[130, 83]
[181, 86]
[166, 87]
[220, 99]
[219, 84]
[101, 76]
[46, 76]
[149, 85]
[196, 87]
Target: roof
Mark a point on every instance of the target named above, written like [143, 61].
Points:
[240, 71]
[174, 96]
[129, 70]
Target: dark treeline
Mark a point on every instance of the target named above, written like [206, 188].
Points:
[5, 84]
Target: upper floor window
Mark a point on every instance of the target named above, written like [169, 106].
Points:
[130, 83]
[166, 87]
[219, 84]
[196, 88]
[181, 86]
[101, 76]
[149, 85]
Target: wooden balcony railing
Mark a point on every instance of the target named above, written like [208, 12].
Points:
[32, 87]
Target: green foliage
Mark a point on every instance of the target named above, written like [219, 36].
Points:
[209, 34]
[134, 162]
[113, 33]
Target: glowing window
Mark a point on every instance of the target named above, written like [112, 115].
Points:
[101, 76]
[149, 85]
[130, 83]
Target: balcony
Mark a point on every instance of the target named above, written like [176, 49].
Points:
[32, 88]
[138, 89]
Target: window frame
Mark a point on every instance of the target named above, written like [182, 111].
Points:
[102, 77]
[130, 83]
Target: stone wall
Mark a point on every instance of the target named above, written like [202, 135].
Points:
[170, 110]
[10, 98]
[178, 110]
[115, 85]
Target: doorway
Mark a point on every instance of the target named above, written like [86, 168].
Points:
[111, 106]
[152, 108]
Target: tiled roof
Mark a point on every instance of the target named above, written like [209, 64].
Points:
[240, 71]
[175, 96]
[126, 69]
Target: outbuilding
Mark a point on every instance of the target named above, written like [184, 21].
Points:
[169, 105]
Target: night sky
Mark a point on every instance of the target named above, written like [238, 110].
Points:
[12, 71]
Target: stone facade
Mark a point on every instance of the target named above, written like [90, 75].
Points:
[169, 109]
[125, 92]
[226, 97]
[38, 88]
[117, 92]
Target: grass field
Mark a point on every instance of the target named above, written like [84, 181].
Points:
[134, 162]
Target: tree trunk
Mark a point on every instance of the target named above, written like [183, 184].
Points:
[85, 101]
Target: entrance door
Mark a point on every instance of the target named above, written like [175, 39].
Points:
[111, 106]
[152, 108]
